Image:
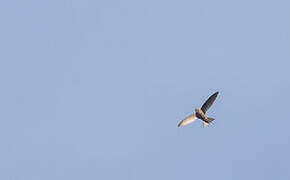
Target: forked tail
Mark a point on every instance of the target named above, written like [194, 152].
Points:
[209, 120]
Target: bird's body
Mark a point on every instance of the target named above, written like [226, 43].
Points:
[200, 113]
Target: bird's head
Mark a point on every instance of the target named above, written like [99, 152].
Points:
[196, 109]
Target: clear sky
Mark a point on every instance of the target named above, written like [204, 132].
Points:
[94, 89]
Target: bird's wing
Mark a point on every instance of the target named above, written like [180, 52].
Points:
[209, 102]
[189, 119]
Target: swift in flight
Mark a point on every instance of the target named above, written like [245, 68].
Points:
[200, 113]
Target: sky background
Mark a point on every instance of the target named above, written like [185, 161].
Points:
[95, 89]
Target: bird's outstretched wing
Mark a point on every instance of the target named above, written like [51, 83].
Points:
[189, 119]
[209, 102]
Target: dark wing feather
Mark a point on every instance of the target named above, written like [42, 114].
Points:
[209, 102]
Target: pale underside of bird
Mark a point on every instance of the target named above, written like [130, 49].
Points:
[200, 113]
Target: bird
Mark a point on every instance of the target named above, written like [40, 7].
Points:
[200, 113]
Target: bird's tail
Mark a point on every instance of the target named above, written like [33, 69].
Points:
[209, 120]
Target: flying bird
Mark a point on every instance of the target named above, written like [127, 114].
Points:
[200, 113]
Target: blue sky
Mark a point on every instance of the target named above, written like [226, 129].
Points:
[95, 89]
